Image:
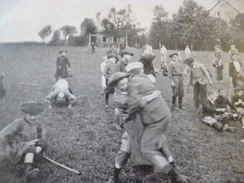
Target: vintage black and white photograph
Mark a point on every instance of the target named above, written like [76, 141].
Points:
[132, 91]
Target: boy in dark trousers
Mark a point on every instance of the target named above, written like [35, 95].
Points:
[235, 67]
[198, 77]
[175, 74]
[63, 65]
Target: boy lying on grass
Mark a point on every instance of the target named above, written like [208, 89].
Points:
[215, 116]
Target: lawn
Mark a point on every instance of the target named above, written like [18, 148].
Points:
[86, 138]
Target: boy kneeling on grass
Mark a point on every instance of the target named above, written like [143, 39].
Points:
[22, 139]
[238, 102]
[214, 115]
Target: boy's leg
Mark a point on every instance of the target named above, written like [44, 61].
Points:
[213, 123]
[196, 95]
[70, 96]
[121, 158]
[181, 91]
[203, 92]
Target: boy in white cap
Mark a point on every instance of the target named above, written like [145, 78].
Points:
[155, 117]
[22, 139]
[61, 94]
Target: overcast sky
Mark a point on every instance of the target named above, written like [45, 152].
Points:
[21, 20]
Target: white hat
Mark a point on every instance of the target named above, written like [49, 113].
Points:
[134, 65]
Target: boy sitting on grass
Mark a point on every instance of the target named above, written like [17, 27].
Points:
[238, 102]
[223, 102]
[213, 115]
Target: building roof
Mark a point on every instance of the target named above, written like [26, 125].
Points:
[237, 5]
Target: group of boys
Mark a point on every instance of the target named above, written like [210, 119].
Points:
[144, 112]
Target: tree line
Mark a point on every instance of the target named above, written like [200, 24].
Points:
[192, 25]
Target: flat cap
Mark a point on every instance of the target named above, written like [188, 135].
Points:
[133, 65]
[188, 60]
[63, 51]
[238, 88]
[125, 51]
[115, 77]
[32, 107]
[172, 54]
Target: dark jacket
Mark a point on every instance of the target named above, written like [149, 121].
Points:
[121, 66]
[139, 86]
[235, 99]
[208, 108]
[223, 102]
[232, 71]
[62, 63]
[147, 62]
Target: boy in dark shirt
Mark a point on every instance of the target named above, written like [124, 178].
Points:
[210, 112]
[223, 102]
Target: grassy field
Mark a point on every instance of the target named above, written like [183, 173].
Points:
[86, 138]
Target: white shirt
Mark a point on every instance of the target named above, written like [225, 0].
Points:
[237, 66]
[62, 84]
[163, 50]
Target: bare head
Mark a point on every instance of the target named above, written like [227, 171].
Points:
[147, 49]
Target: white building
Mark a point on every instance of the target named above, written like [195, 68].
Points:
[227, 9]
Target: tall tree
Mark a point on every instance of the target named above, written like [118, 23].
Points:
[120, 23]
[237, 31]
[87, 28]
[193, 24]
[68, 30]
[44, 32]
[56, 39]
[161, 28]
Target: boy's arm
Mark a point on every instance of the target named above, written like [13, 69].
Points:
[68, 63]
[139, 103]
[206, 73]
[230, 104]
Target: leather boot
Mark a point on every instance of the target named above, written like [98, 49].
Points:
[30, 173]
[115, 177]
[176, 177]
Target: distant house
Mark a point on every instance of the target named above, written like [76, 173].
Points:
[227, 9]
[102, 39]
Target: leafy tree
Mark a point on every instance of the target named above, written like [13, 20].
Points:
[237, 31]
[44, 32]
[68, 30]
[192, 24]
[56, 39]
[88, 26]
[121, 24]
[161, 28]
